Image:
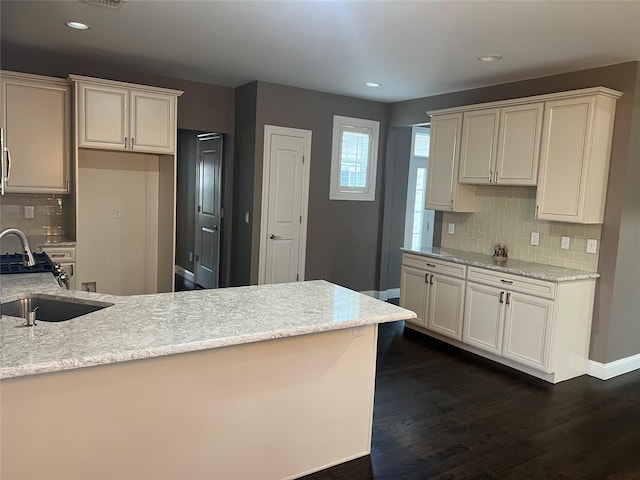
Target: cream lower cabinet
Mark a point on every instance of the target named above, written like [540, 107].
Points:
[66, 257]
[435, 291]
[512, 324]
[536, 326]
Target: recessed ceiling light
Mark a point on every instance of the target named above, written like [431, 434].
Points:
[373, 84]
[78, 25]
[490, 58]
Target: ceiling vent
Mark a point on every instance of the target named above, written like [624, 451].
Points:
[113, 4]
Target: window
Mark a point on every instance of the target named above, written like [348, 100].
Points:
[419, 222]
[354, 157]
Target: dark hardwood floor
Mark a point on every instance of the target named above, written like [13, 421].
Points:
[183, 285]
[441, 413]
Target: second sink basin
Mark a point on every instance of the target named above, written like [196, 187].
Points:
[50, 309]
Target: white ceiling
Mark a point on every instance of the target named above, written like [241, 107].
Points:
[414, 48]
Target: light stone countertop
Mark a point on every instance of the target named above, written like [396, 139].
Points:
[144, 326]
[514, 267]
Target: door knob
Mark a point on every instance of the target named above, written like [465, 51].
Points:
[275, 237]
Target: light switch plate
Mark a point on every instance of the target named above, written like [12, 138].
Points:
[565, 243]
[535, 238]
[28, 211]
[592, 245]
[452, 228]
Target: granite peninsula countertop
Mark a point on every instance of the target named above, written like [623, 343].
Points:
[144, 326]
[514, 267]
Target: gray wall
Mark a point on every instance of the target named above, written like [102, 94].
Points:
[186, 199]
[343, 237]
[616, 330]
[395, 204]
[624, 321]
[243, 183]
[201, 107]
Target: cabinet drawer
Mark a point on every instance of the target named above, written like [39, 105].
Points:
[60, 254]
[531, 286]
[437, 266]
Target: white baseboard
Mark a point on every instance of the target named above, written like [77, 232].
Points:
[184, 273]
[605, 371]
[384, 294]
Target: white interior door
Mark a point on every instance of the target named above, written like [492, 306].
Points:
[284, 204]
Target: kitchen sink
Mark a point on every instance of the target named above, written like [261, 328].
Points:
[50, 309]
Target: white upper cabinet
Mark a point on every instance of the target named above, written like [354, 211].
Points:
[501, 145]
[103, 117]
[443, 190]
[574, 158]
[478, 149]
[36, 124]
[560, 142]
[518, 149]
[120, 116]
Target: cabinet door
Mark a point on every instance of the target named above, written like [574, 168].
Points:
[443, 190]
[565, 138]
[519, 144]
[103, 117]
[478, 147]
[446, 306]
[153, 126]
[528, 329]
[413, 293]
[36, 116]
[483, 319]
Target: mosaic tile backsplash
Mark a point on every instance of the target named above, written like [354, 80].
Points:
[51, 217]
[505, 215]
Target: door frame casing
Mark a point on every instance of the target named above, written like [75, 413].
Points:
[306, 169]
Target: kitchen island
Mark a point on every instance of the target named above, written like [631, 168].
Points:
[271, 381]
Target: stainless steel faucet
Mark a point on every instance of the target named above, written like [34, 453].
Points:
[27, 256]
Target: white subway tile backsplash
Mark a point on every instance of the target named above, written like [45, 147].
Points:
[505, 215]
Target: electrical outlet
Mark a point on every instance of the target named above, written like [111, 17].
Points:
[592, 245]
[28, 211]
[452, 228]
[358, 331]
[116, 214]
[565, 243]
[535, 238]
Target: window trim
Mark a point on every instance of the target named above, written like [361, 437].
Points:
[368, 193]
